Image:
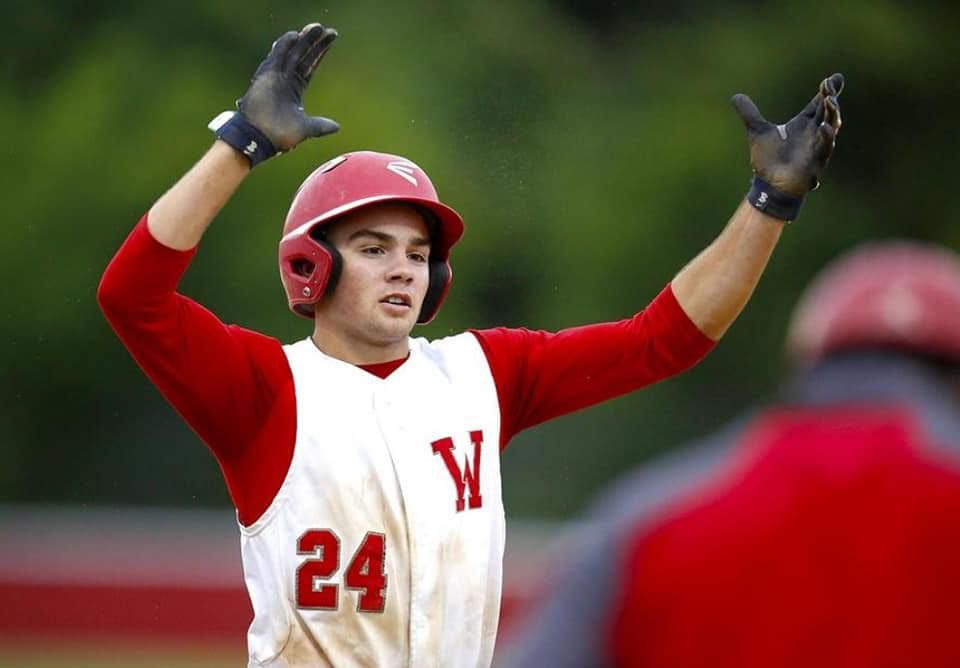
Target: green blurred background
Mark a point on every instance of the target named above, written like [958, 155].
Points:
[590, 146]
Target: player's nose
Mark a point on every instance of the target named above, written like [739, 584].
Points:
[400, 269]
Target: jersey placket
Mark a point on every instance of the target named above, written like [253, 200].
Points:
[411, 467]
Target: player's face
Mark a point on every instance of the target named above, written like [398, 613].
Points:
[382, 284]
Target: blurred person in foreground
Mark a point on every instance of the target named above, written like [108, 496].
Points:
[821, 530]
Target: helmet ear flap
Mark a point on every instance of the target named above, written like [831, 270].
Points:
[310, 268]
[440, 272]
[336, 266]
[319, 235]
[439, 282]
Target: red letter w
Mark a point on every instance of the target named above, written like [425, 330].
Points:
[469, 477]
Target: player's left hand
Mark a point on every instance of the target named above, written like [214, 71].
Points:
[274, 101]
[790, 157]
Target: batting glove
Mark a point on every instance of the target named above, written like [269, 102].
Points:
[271, 119]
[788, 159]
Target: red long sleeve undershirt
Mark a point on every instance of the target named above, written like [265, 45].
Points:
[234, 388]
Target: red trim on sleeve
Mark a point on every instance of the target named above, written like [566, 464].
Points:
[541, 375]
[232, 386]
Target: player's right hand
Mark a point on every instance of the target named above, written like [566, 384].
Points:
[791, 156]
[274, 102]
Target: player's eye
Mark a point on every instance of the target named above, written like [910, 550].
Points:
[418, 257]
[372, 250]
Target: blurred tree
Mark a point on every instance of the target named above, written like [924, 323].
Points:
[590, 147]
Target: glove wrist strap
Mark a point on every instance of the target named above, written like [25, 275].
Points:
[232, 128]
[764, 197]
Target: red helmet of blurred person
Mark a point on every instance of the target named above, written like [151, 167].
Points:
[310, 266]
[892, 294]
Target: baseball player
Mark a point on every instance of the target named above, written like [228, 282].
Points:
[363, 463]
[818, 530]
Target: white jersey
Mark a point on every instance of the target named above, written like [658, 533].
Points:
[384, 545]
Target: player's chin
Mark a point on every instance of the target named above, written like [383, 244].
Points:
[397, 325]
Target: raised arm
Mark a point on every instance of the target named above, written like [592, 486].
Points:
[787, 160]
[541, 375]
[224, 380]
[270, 120]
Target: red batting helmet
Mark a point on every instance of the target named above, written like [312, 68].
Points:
[310, 266]
[892, 294]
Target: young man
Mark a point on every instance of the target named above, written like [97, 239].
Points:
[364, 464]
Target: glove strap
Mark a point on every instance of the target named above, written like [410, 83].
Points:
[232, 128]
[764, 197]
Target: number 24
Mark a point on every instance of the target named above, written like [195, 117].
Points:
[364, 574]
